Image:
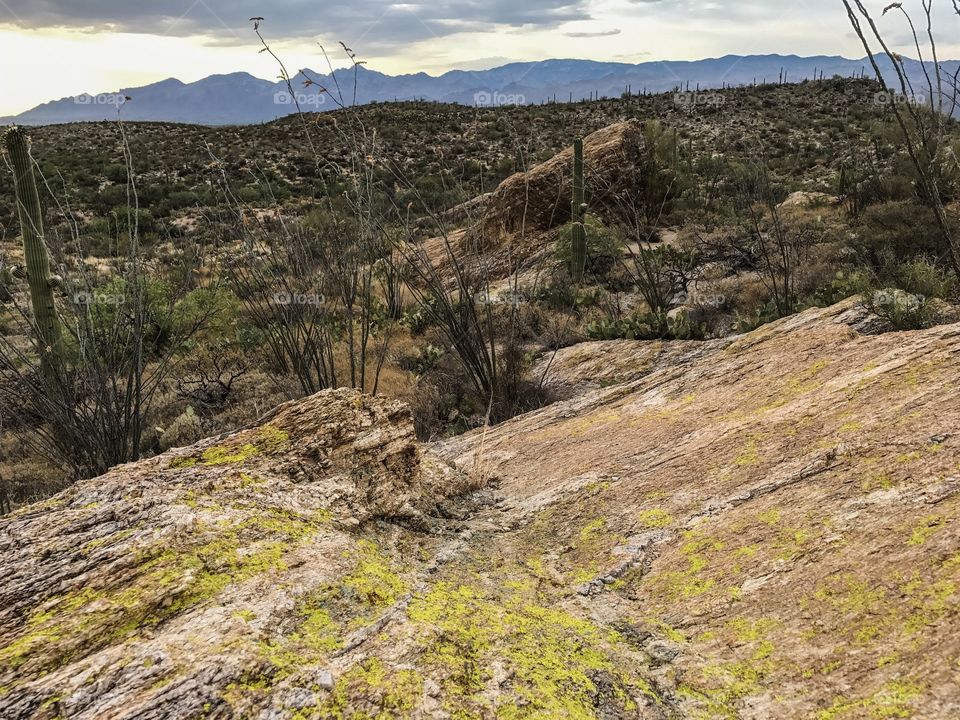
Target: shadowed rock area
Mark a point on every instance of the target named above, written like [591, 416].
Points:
[759, 527]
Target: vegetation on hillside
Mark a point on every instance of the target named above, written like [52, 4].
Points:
[207, 274]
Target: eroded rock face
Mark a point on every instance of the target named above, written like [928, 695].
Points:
[540, 199]
[192, 560]
[761, 527]
[514, 228]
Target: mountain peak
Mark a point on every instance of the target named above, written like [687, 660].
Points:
[240, 98]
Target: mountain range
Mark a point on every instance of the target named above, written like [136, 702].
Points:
[241, 99]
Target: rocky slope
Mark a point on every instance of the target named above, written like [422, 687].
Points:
[749, 528]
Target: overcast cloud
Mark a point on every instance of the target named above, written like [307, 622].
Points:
[379, 25]
[377, 22]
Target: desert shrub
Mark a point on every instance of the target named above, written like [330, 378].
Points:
[842, 286]
[748, 322]
[663, 179]
[924, 277]
[862, 183]
[903, 310]
[181, 199]
[25, 477]
[109, 309]
[222, 314]
[558, 293]
[647, 326]
[185, 430]
[559, 330]
[116, 173]
[897, 232]
[662, 274]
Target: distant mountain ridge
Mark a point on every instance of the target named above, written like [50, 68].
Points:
[241, 99]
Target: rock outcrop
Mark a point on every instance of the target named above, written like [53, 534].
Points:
[760, 527]
[513, 227]
[540, 198]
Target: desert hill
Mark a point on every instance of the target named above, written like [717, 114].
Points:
[752, 527]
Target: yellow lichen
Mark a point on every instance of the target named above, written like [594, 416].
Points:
[926, 528]
[893, 700]
[656, 518]
[552, 656]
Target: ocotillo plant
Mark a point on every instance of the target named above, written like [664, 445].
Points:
[35, 252]
[578, 209]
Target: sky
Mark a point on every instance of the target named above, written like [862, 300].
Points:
[61, 48]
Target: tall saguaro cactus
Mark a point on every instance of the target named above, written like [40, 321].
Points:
[578, 210]
[35, 251]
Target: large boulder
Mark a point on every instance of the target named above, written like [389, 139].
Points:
[540, 199]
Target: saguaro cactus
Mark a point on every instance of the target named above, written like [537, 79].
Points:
[578, 210]
[35, 251]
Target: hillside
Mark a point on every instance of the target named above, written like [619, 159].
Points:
[753, 527]
[279, 260]
[447, 154]
[239, 98]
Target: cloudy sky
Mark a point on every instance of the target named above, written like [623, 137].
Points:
[66, 47]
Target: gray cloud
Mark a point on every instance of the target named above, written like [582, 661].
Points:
[370, 24]
[599, 33]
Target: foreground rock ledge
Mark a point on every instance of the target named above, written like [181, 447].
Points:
[763, 527]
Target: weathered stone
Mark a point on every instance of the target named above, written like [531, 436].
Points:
[773, 517]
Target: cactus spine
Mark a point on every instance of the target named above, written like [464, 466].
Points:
[35, 252]
[578, 242]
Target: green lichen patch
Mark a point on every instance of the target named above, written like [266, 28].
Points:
[324, 618]
[226, 455]
[874, 615]
[716, 689]
[896, 699]
[557, 661]
[656, 519]
[168, 579]
[372, 691]
[926, 528]
[268, 440]
[586, 530]
[699, 553]
[796, 386]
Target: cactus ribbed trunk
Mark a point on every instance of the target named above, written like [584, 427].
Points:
[35, 252]
[578, 255]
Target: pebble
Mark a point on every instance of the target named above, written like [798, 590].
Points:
[325, 680]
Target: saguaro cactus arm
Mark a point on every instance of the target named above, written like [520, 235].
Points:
[578, 253]
[35, 250]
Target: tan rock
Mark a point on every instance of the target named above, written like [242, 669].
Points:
[754, 528]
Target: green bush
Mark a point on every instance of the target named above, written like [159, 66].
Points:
[843, 285]
[647, 326]
[903, 310]
[897, 232]
[924, 277]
